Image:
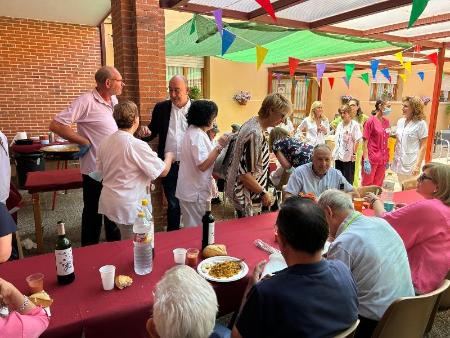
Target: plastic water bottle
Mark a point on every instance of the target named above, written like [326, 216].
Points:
[388, 188]
[148, 221]
[143, 262]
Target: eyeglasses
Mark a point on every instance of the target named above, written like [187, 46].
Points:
[423, 177]
[120, 80]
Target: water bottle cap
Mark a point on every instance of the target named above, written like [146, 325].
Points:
[145, 202]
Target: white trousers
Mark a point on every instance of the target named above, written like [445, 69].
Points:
[192, 212]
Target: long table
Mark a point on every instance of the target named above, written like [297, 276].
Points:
[84, 307]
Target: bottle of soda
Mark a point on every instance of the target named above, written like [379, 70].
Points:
[208, 226]
[65, 272]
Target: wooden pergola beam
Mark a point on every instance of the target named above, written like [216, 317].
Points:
[431, 36]
[277, 7]
[201, 9]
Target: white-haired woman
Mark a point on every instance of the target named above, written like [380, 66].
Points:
[315, 126]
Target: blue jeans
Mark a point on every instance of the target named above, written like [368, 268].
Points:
[173, 205]
[220, 331]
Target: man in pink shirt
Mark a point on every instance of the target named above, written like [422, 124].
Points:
[92, 113]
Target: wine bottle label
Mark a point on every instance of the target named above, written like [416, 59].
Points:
[64, 262]
[211, 239]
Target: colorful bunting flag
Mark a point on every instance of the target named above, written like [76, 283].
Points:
[293, 63]
[374, 65]
[365, 77]
[418, 7]
[349, 68]
[307, 83]
[347, 81]
[386, 74]
[403, 77]
[192, 25]
[320, 69]
[227, 40]
[408, 66]
[433, 58]
[331, 82]
[266, 4]
[399, 57]
[278, 76]
[421, 75]
[218, 17]
[261, 53]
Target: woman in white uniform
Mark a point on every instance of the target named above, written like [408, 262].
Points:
[198, 154]
[128, 165]
[316, 126]
[411, 134]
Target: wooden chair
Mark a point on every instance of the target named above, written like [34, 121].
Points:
[350, 332]
[370, 188]
[409, 184]
[409, 316]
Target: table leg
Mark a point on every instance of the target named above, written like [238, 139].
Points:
[38, 222]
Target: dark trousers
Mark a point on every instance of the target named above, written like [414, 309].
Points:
[91, 220]
[365, 328]
[347, 169]
[173, 205]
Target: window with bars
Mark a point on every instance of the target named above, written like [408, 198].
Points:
[445, 89]
[383, 89]
[194, 75]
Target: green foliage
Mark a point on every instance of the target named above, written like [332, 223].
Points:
[195, 93]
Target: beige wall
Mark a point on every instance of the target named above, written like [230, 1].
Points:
[413, 87]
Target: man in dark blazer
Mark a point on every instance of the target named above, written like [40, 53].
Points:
[169, 123]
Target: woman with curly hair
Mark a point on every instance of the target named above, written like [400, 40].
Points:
[316, 126]
[411, 134]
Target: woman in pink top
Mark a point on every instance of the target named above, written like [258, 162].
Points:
[24, 319]
[424, 227]
[375, 148]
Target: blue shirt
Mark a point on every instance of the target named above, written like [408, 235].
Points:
[303, 179]
[303, 300]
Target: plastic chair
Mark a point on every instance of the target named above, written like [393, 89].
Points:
[409, 316]
[442, 305]
[350, 332]
[409, 184]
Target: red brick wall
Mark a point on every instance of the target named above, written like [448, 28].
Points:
[43, 67]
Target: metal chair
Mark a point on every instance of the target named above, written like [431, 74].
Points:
[442, 138]
[409, 316]
[350, 332]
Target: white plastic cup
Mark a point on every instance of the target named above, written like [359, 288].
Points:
[179, 256]
[107, 273]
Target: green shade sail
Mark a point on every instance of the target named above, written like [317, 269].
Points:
[281, 42]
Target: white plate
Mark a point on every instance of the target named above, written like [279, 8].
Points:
[202, 268]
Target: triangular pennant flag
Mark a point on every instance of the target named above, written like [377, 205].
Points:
[307, 83]
[403, 76]
[418, 7]
[218, 17]
[227, 40]
[349, 68]
[267, 7]
[386, 74]
[417, 48]
[433, 57]
[347, 81]
[261, 53]
[318, 81]
[408, 66]
[399, 57]
[365, 77]
[192, 25]
[421, 75]
[374, 66]
[331, 82]
[320, 68]
[278, 76]
[293, 63]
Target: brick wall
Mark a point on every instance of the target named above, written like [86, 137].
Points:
[43, 67]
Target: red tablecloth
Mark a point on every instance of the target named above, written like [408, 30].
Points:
[407, 196]
[83, 305]
[53, 180]
[32, 148]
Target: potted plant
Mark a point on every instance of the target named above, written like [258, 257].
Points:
[242, 97]
[195, 93]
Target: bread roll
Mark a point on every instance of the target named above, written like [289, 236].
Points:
[214, 250]
[123, 281]
[41, 299]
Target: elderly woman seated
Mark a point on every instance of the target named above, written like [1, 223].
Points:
[424, 227]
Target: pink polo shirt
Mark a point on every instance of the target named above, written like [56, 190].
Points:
[94, 120]
[30, 325]
[377, 134]
[424, 227]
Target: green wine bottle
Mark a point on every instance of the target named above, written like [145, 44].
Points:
[65, 272]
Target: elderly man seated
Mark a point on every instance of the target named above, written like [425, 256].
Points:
[185, 306]
[375, 254]
[317, 176]
[312, 297]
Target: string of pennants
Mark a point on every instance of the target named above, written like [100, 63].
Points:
[261, 52]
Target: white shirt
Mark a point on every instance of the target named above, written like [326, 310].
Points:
[177, 128]
[288, 126]
[194, 185]
[128, 166]
[5, 169]
[345, 138]
[408, 144]
[312, 137]
[94, 120]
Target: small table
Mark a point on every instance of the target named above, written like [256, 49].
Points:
[52, 180]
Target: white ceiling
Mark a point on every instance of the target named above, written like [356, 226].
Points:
[83, 12]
